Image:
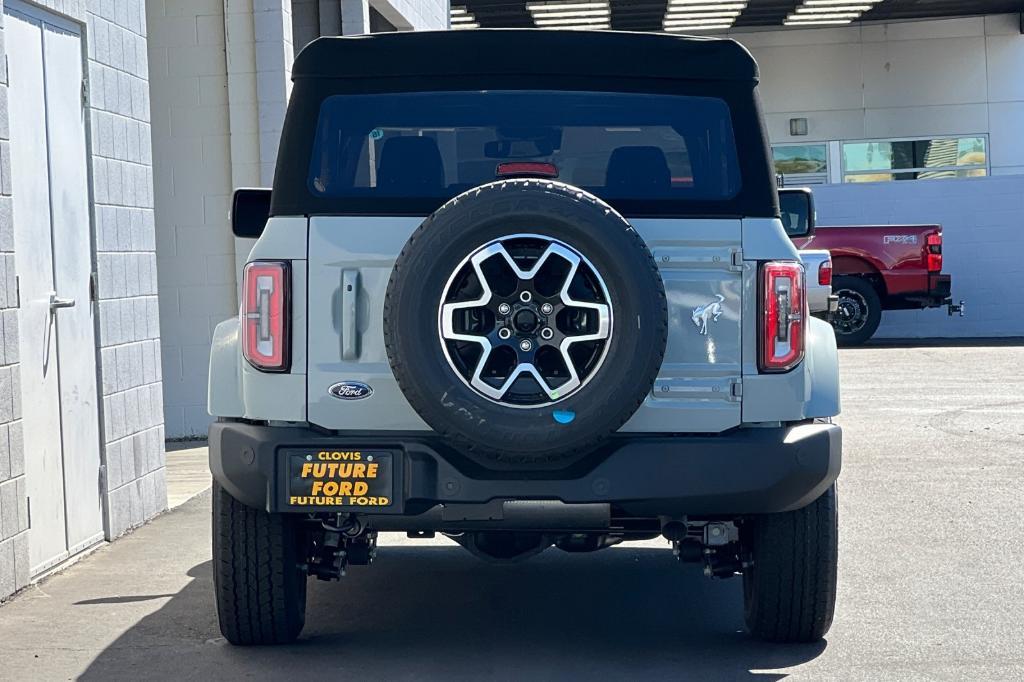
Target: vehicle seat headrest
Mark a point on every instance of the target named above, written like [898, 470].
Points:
[638, 170]
[411, 165]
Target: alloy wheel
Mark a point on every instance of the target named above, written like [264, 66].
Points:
[525, 320]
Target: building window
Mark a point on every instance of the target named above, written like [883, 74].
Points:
[801, 164]
[925, 159]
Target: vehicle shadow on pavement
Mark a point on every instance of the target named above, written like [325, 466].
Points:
[437, 612]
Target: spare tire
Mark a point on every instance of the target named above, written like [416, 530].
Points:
[525, 321]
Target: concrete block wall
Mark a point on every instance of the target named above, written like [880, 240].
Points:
[415, 15]
[195, 250]
[305, 22]
[14, 561]
[274, 57]
[982, 242]
[121, 189]
[125, 238]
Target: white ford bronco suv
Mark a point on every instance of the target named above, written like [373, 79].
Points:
[525, 303]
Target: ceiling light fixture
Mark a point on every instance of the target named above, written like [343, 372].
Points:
[826, 3]
[817, 22]
[699, 27]
[555, 5]
[580, 13]
[701, 14]
[690, 9]
[849, 16]
[684, 4]
[713, 17]
[828, 12]
[569, 14]
[700, 20]
[462, 18]
[589, 22]
[856, 9]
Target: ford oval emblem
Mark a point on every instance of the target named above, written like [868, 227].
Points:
[350, 390]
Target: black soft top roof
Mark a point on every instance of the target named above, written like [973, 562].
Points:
[526, 52]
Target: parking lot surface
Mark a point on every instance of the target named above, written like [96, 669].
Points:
[931, 574]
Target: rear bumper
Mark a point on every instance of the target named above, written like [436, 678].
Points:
[746, 471]
[939, 293]
[940, 290]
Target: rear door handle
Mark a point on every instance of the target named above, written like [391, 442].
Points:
[349, 311]
[58, 302]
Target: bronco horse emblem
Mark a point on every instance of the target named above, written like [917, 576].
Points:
[709, 311]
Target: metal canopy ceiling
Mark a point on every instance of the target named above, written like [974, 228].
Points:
[695, 16]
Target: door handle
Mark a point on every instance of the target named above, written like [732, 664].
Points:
[57, 302]
[349, 313]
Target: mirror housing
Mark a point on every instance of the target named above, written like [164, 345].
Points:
[796, 207]
[250, 211]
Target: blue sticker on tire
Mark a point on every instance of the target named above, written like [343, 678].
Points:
[563, 416]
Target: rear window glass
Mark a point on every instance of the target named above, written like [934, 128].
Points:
[436, 145]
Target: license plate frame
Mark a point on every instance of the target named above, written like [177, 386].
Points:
[350, 479]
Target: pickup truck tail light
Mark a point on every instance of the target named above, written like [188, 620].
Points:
[825, 274]
[264, 315]
[933, 251]
[783, 316]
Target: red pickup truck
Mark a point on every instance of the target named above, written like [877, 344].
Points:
[874, 267]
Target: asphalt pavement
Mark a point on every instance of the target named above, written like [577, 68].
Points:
[931, 575]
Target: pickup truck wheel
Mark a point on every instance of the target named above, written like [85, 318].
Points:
[789, 591]
[525, 321]
[859, 312]
[259, 587]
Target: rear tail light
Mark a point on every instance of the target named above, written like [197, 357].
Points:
[933, 255]
[825, 274]
[265, 315]
[783, 316]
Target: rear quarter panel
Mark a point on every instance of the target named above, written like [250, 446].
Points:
[809, 390]
[234, 385]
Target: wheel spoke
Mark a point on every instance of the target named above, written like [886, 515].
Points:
[602, 309]
[522, 368]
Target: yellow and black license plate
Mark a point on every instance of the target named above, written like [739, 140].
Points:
[349, 479]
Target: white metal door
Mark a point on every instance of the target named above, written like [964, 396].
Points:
[54, 265]
[72, 274]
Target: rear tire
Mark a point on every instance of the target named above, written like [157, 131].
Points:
[860, 303]
[260, 589]
[789, 593]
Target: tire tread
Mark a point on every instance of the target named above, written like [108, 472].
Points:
[792, 584]
[260, 593]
